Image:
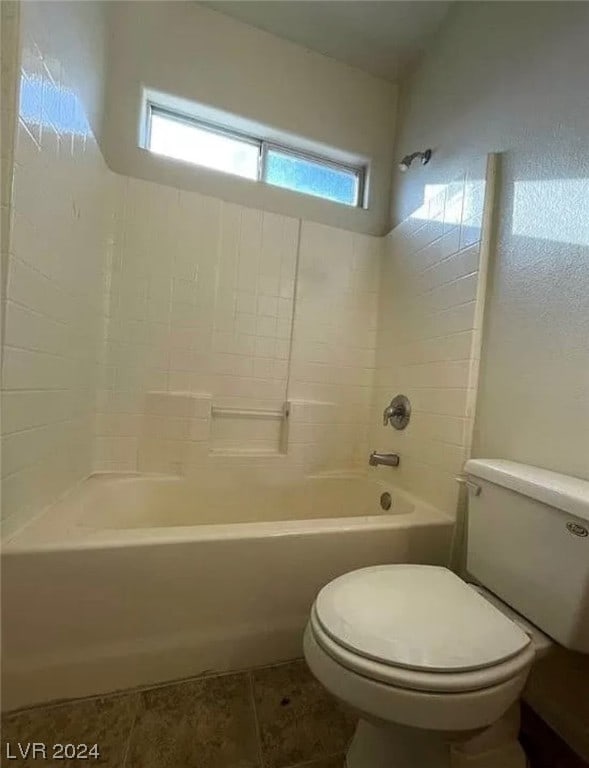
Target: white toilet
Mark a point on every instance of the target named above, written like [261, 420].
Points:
[435, 666]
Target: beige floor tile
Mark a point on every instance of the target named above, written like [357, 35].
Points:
[206, 723]
[299, 722]
[106, 722]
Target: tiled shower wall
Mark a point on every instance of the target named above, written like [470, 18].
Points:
[53, 321]
[429, 334]
[201, 302]
[9, 59]
[201, 317]
[334, 342]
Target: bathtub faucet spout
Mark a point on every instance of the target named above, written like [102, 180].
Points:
[386, 459]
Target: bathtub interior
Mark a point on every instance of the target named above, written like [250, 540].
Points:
[118, 509]
[155, 502]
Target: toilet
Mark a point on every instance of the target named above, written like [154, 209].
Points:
[434, 665]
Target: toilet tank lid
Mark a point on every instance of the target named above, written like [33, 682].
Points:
[570, 494]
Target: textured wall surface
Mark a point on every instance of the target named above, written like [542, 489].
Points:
[512, 78]
[55, 266]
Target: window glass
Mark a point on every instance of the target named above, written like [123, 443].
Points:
[188, 141]
[311, 177]
[221, 149]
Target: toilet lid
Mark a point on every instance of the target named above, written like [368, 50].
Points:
[416, 616]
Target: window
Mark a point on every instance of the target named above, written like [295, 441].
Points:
[312, 175]
[184, 138]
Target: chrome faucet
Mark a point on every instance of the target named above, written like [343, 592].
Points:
[397, 413]
[386, 459]
[388, 413]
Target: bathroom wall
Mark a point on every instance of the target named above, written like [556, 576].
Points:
[200, 320]
[55, 267]
[509, 77]
[9, 53]
[135, 311]
[512, 78]
[334, 341]
[189, 51]
[201, 302]
[429, 331]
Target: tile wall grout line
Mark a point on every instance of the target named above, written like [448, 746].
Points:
[446, 258]
[258, 731]
[131, 729]
[319, 759]
[446, 283]
[296, 289]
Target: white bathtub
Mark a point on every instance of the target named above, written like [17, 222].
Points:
[132, 580]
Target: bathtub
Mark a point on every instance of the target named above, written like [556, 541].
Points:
[133, 579]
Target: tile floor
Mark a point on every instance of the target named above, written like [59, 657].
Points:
[274, 717]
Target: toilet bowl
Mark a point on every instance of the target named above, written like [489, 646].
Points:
[425, 660]
[434, 666]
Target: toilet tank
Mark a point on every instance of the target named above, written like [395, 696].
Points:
[528, 543]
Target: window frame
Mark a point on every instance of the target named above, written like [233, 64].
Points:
[359, 171]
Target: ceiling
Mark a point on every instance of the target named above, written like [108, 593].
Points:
[381, 37]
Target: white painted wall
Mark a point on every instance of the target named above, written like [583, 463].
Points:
[512, 78]
[201, 55]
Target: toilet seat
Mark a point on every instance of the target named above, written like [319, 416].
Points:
[453, 711]
[420, 628]
[401, 677]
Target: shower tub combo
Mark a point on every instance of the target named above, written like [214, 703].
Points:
[135, 579]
